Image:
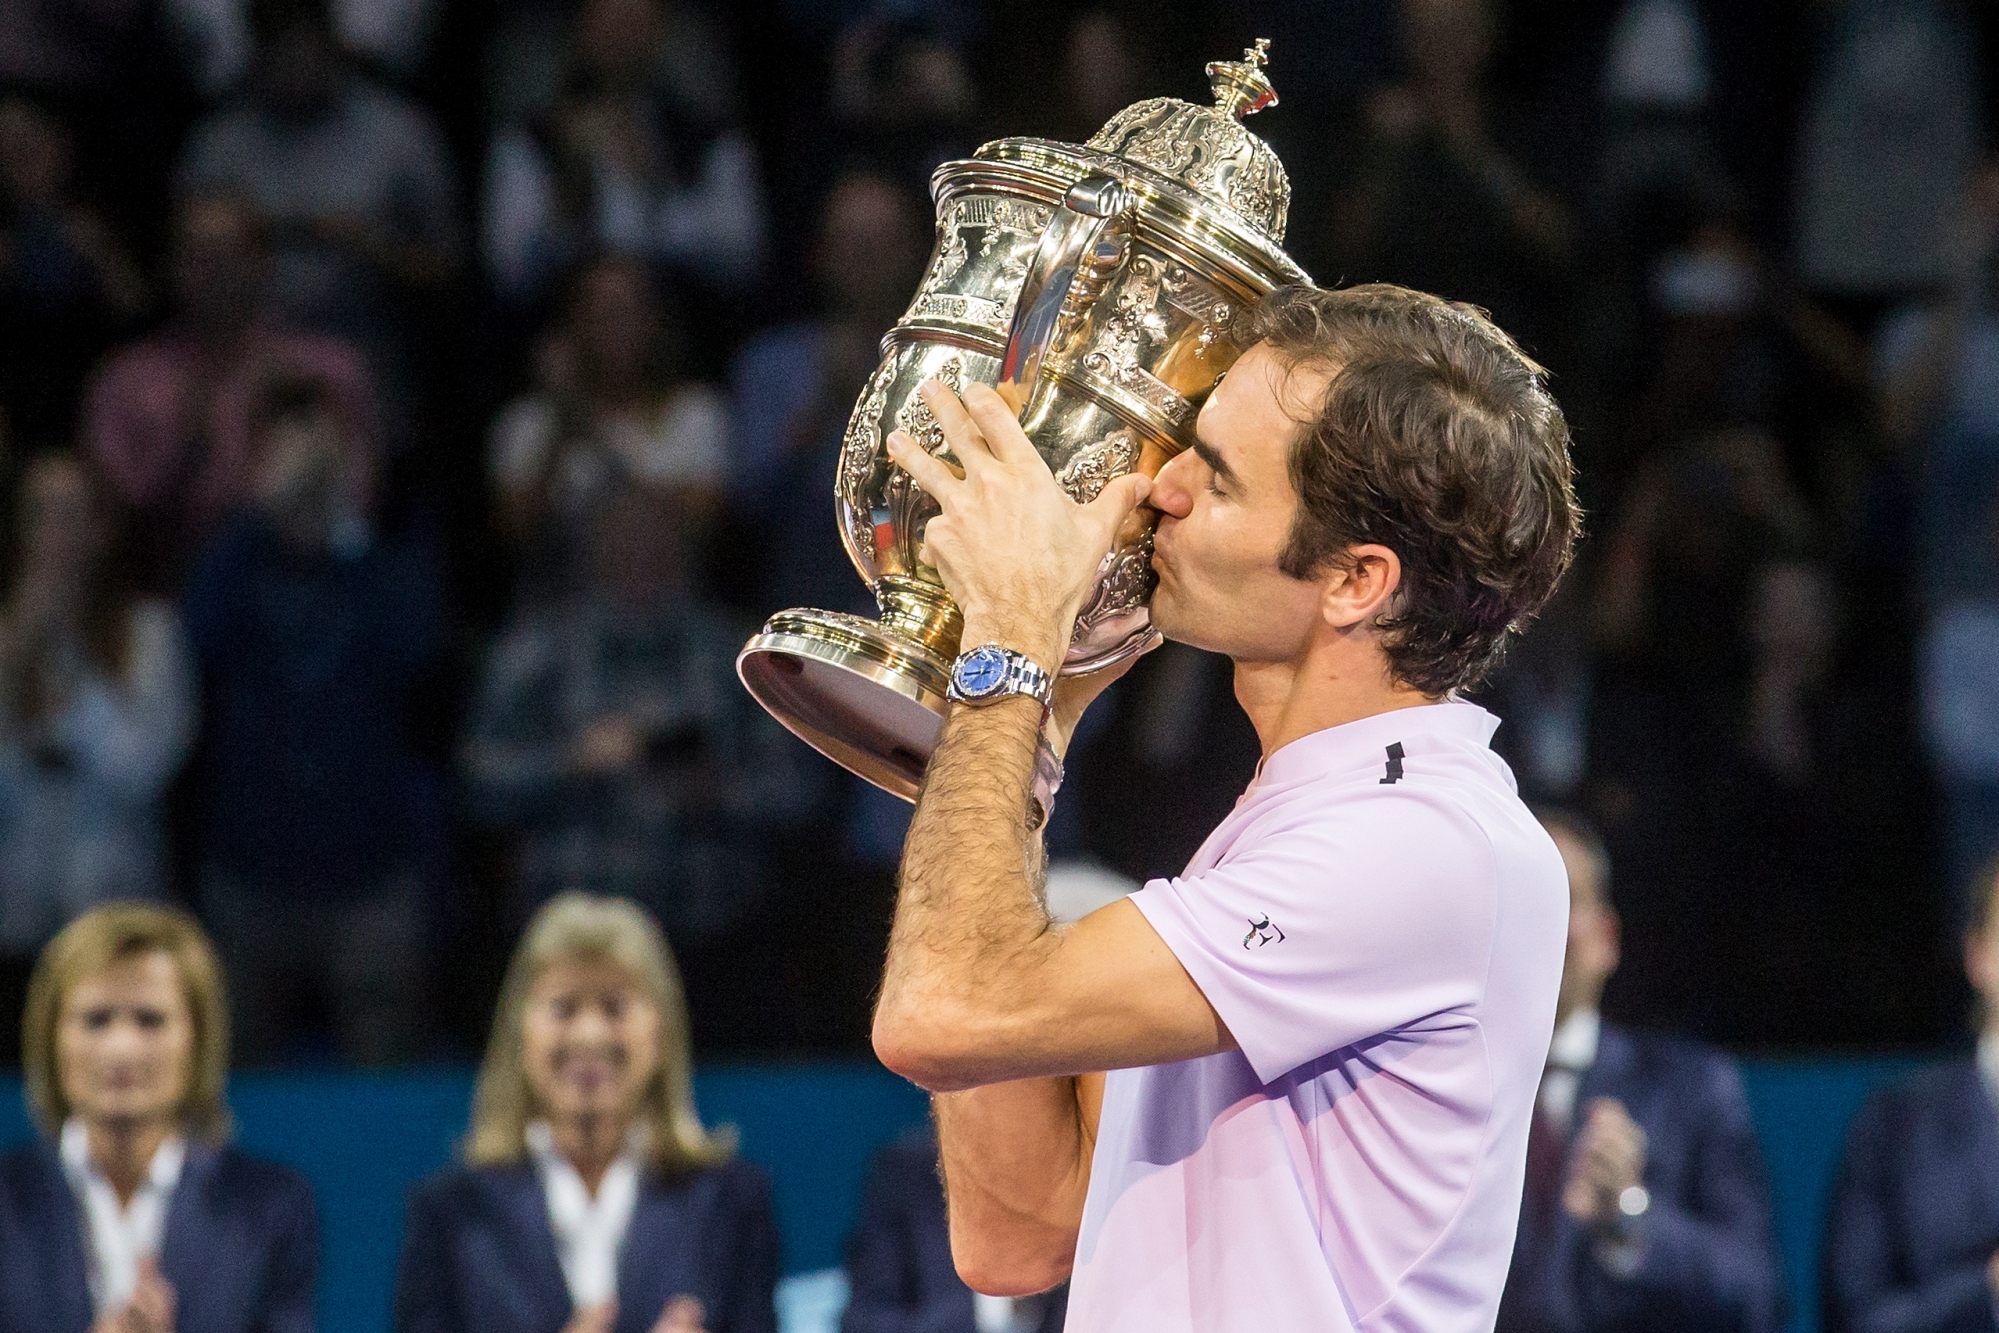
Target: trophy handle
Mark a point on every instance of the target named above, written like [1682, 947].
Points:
[1079, 251]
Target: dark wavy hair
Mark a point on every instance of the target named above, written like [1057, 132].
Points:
[1437, 438]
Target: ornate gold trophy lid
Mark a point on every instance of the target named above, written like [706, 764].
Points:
[1205, 148]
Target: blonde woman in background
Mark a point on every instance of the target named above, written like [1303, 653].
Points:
[591, 1198]
[132, 1214]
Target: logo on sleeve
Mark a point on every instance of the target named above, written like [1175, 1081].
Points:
[1394, 764]
[1262, 932]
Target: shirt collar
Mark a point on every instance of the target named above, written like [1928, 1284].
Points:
[1988, 1062]
[1575, 1042]
[1362, 742]
[162, 1173]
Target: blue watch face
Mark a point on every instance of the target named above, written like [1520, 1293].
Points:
[980, 672]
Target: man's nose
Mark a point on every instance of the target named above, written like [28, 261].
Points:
[1171, 493]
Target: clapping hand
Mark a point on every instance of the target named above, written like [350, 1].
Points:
[1609, 1158]
[596, 1318]
[683, 1314]
[151, 1309]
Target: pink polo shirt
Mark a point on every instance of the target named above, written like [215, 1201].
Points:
[1380, 922]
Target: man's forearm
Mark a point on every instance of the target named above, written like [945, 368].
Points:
[969, 920]
[1016, 1160]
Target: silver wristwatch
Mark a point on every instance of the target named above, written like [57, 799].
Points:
[989, 673]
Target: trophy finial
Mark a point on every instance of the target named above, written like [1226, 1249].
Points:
[1241, 87]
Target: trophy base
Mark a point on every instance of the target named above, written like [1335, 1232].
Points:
[869, 699]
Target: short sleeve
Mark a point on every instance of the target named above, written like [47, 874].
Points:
[1321, 929]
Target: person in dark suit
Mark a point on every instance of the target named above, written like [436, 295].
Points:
[1912, 1236]
[591, 1198]
[132, 1214]
[1647, 1205]
[899, 1270]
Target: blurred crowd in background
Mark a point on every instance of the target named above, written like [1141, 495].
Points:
[410, 408]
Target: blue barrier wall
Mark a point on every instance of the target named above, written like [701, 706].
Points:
[363, 1140]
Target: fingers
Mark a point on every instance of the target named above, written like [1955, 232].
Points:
[1610, 1152]
[593, 1318]
[1120, 495]
[933, 474]
[961, 432]
[683, 1314]
[998, 423]
[153, 1298]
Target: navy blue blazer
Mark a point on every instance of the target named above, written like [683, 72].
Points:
[240, 1248]
[1710, 1259]
[1915, 1210]
[899, 1267]
[479, 1253]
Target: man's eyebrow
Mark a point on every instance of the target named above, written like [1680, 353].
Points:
[1208, 454]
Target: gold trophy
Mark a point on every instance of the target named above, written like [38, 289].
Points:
[1096, 283]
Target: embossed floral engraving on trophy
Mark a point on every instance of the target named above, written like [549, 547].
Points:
[1102, 284]
[985, 245]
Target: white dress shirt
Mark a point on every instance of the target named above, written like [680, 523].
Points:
[1571, 1053]
[119, 1235]
[589, 1230]
[1570, 1056]
[1988, 1062]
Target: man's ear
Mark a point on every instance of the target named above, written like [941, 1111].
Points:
[1360, 586]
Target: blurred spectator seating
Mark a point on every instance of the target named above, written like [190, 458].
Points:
[794, 387]
[320, 829]
[1444, 199]
[613, 406]
[610, 733]
[132, 1212]
[1912, 1237]
[68, 285]
[96, 713]
[69, 46]
[592, 1198]
[900, 87]
[1938, 365]
[214, 41]
[1893, 121]
[167, 421]
[354, 180]
[1960, 687]
[1061, 73]
[620, 134]
[1759, 795]
[1647, 1204]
